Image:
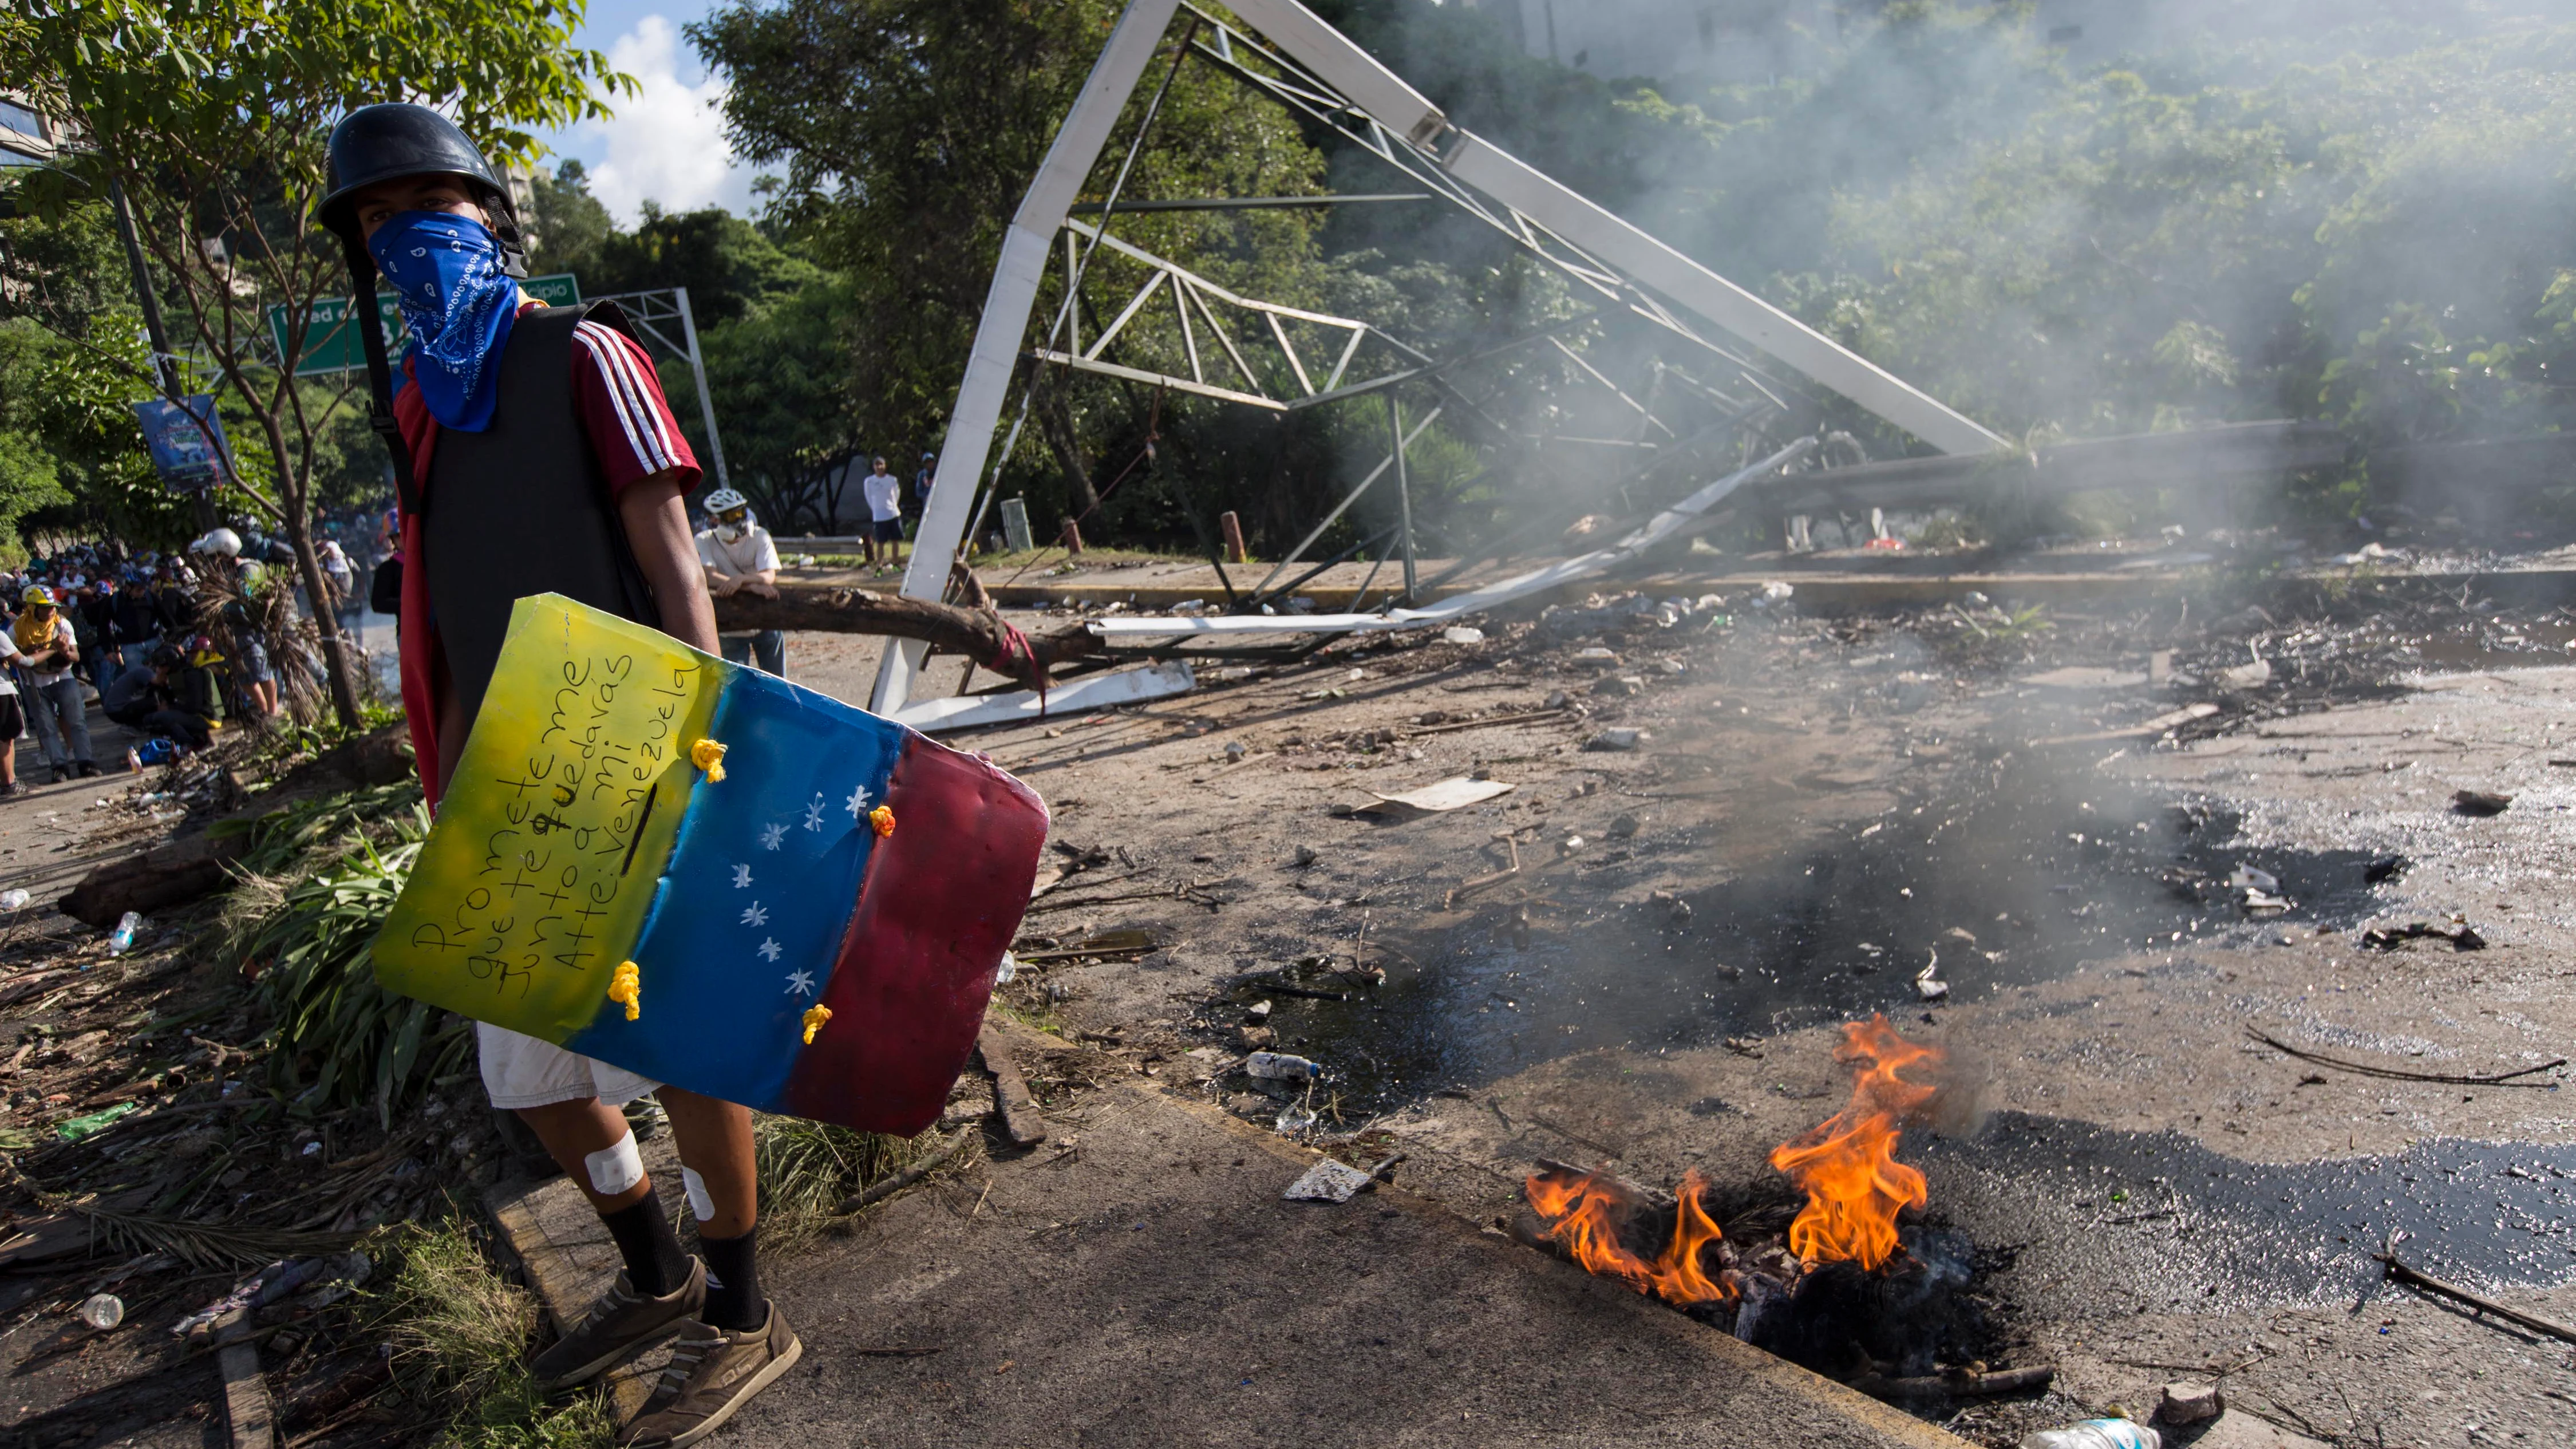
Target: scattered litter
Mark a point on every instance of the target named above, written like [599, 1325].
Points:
[2248, 676]
[2246, 877]
[1257, 1012]
[1573, 843]
[128, 926]
[102, 1311]
[1281, 1067]
[1294, 1118]
[2087, 677]
[2460, 934]
[2188, 1403]
[13, 899]
[2480, 802]
[1327, 1181]
[1622, 738]
[1462, 634]
[1444, 796]
[2095, 1434]
[1774, 592]
[73, 1129]
[1928, 983]
[1596, 657]
[1009, 968]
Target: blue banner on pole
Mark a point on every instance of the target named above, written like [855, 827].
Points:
[187, 444]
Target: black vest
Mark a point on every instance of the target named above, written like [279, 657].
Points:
[522, 508]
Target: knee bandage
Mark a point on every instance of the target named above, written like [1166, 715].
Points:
[701, 1206]
[615, 1168]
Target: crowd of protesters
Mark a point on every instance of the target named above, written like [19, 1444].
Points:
[131, 628]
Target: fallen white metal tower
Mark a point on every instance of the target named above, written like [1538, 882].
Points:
[1304, 64]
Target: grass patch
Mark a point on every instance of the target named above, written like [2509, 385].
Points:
[806, 1169]
[317, 884]
[460, 1331]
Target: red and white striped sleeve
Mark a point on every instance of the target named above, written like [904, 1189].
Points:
[630, 422]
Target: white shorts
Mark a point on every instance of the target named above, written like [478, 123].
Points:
[521, 1071]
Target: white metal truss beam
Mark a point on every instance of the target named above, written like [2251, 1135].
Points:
[1069, 159]
[1317, 71]
[1636, 541]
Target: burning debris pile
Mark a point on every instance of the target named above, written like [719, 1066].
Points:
[1840, 1285]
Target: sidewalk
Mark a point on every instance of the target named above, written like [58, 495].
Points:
[1137, 1280]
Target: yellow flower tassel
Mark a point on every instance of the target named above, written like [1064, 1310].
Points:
[815, 1016]
[628, 986]
[709, 756]
[882, 818]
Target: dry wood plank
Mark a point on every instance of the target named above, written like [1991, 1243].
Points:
[1020, 1119]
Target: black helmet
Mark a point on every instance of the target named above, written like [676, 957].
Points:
[382, 143]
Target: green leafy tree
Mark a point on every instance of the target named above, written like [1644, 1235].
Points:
[212, 115]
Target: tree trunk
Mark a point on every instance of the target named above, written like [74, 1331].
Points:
[1055, 419]
[326, 619]
[975, 632]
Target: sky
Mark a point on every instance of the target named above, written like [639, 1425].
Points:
[666, 143]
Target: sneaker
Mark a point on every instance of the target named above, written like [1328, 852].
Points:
[619, 1326]
[88, 769]
[711, 1374]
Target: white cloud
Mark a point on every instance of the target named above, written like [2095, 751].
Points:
[666, 142]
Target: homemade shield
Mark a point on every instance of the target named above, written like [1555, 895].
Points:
[710, 876]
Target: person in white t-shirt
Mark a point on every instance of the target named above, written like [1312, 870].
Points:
[13, 716]
[740, 557]
[884, 493]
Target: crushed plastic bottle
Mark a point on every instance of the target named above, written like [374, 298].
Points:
[128, 926]
[14, 900]
[102, 1311]
[1281, 1067]
[1009, 968]
[2095, 1434]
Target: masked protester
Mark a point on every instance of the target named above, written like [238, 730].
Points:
[740, 557]
[534, 453]
[45, 639]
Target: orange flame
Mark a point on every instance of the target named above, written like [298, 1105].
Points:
[1847, 1164]
[1584, 1213]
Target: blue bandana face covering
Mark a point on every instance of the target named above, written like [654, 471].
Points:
[458, 303]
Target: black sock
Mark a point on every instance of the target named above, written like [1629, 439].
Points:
[733, 1283]
[654, 1262]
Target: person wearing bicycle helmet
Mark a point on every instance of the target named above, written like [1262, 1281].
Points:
[740, 557]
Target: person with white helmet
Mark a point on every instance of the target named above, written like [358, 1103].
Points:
[741, 557]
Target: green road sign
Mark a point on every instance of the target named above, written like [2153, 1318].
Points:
[331, 345]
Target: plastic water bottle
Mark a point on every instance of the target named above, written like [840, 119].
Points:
[128, 926]
[1281, 1067]
[2096, 1434]
[102, 1311]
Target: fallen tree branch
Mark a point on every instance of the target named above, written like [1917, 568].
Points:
[2455, 1079]
[2430, 1284]
[886, 1187]
[1958, 1383]
[974, 631]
